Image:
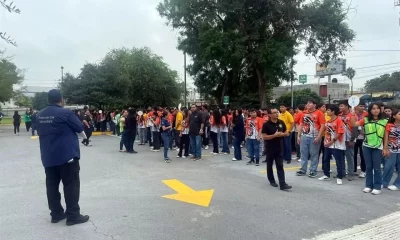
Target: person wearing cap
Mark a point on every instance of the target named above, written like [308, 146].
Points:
[57, 128]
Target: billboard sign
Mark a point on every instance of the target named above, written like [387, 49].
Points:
[337, 66]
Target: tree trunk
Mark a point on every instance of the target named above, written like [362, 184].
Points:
[227, 84]
[261, 87]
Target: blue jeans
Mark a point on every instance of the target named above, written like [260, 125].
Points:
[339, 157]
[373, 157]
[254, 149]
[237, 149]
[391, 163]
[350, 160]
[287, 148]
[195, 145]
[309, 150]
[166, 138]
[33, 127]
[225, 147]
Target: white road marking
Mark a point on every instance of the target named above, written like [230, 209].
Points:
[384, 228]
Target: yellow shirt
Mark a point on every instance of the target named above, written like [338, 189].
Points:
[327, 118]
[145, 119]
[287, 118]
[178, 121]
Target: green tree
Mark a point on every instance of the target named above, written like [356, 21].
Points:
[125, 77]
[299, 97]
[20, 99]
[241, 47]
[350, 73]
[39, 101]
[10, 75]
[385, 82]
[10, 7]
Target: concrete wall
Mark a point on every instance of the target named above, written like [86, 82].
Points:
[336, 90]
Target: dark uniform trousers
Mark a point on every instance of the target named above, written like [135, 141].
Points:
[68, 173]
[277, 157]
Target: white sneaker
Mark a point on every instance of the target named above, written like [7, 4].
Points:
[233, 147]
[234, 159]
[361, 175]
[393, 188]
[183, 156]
[215, 153]
[367, 190]
[358, 168]
[178, 157]
[376, 192]
[339, 181]
[206, 147]
[323, 178]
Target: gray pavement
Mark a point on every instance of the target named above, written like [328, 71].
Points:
[122, 193]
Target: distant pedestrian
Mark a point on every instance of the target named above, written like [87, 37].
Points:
[16, 122]
[34, 122]
[196, 130]
[59, 147]
[166, 129]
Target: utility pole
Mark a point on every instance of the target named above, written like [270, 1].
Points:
[62, 74]
[291, 82]
[184, 77]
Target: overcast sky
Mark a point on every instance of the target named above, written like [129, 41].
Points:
[54, 33]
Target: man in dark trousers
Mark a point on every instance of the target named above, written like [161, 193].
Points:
[196, 129]
[273, 131]
[59, 147]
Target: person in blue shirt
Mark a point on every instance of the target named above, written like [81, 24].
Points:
[166, 129]
[57, 128]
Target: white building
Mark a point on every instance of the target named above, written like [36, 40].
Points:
[29, 92]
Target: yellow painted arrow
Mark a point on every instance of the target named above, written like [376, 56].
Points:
[188, 195]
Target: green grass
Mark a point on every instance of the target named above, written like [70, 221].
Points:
[8, 120]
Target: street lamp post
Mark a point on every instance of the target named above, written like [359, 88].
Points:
[184, 77]
[62, 74]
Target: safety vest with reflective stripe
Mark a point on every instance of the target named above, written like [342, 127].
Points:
[374, 132]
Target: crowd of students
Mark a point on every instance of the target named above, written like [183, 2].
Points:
[334, 131]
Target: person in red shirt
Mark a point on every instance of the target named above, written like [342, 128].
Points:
[312, 129]
[297, 117]
[349, 136]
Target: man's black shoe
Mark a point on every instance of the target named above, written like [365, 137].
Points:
[286, 187]
[274, 184]
[80, 219]
[133, 151]
[57, 219]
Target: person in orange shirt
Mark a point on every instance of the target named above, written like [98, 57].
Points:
[358, 147]
[297, 117]
[312, 127]
[253, 136]
[334, 144]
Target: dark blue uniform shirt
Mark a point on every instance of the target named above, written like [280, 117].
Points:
[57, 129]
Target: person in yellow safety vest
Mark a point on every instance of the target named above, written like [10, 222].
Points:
[374, 126]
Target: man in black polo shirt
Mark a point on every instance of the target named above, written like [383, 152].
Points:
[196, 128]
[273, 132]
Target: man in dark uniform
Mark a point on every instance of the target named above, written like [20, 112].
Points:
[59, 147]
[273, 131]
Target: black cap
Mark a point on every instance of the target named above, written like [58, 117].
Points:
[54, 96]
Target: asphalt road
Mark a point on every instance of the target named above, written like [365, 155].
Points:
[122, 193]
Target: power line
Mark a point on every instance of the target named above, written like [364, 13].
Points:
[377, 65]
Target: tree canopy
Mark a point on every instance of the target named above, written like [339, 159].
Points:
[39, 101]
[299, 97]
[386, 82]
[241, 47]
[9, 76]
[125, 77]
